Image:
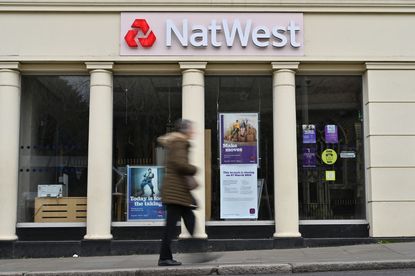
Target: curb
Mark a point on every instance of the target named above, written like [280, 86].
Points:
[240, 269]
[231, 269]
[345, 266]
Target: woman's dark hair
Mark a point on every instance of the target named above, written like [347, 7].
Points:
[183, 125]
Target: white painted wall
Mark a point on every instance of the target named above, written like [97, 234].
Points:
[359, 36]
[390, 134]
[89, 36]
[61, 36]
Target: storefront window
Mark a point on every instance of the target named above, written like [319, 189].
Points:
[53, 149]
[145, 107]
[330, 147]
[239, 113]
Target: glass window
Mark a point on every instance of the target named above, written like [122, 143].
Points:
[53, 149]
[145, 107]
[330, 147]
[240, 94]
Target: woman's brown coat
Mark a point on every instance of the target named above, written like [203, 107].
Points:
[174, 189]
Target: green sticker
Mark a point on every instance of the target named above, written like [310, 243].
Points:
[330, 175]
[329, 156]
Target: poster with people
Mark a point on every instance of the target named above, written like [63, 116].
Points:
[331, 134]
[238, 138]
[309, 134]
[143, 195]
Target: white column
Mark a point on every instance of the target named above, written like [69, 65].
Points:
[100, 152]
[193, 108]
[285, 150]
[9, 147]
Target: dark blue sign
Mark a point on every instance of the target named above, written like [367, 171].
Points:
[143, 197]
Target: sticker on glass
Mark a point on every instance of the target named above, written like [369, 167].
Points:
[329, 156]
[330, 175]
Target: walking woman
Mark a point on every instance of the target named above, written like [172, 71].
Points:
[175, 191]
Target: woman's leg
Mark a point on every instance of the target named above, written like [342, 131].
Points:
[172, 216]
[189, 219]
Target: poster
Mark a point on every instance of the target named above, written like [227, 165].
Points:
[238, 138]
[238, 192]
[330, 134]
[309, 134]
[143, 195]
[309, 157]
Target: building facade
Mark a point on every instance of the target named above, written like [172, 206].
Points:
[321, 92]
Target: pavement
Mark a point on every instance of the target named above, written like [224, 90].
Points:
[298, 260]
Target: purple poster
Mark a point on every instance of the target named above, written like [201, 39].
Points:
[309, 134]
[331, 134]
[238, 138]
[309, 157]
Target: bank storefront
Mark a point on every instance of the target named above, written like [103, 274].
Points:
[303, 129]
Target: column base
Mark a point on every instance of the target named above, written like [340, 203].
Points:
[287, 235]
[195, 236]
[8, 238]
[292, 242]
[97, 237]
[96, 247]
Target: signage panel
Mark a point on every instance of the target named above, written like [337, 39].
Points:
[253, 34]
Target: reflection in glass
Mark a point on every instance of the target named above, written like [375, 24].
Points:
[330, 147]
[53, 147]
[145, 107]
[241, 94]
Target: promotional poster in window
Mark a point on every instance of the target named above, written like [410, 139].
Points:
[238, 138]
[143, 196]
[238, 192]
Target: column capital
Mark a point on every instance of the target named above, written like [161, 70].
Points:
[99, 65]
[284, 65]
[193, 65]
[10, 65]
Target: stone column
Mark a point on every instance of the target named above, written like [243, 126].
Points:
[100, 152]
[10, 93]
[193, 108]
[285, 150]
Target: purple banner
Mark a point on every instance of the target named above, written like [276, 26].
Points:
[331, 134]
[309, 134]
[309, 157]
[238, 138]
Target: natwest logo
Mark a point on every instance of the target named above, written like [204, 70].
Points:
[131, 36]
[221, 33]
[212, 34]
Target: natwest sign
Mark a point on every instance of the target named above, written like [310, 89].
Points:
[254, 34]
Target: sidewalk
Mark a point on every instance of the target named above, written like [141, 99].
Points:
[356, 257]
